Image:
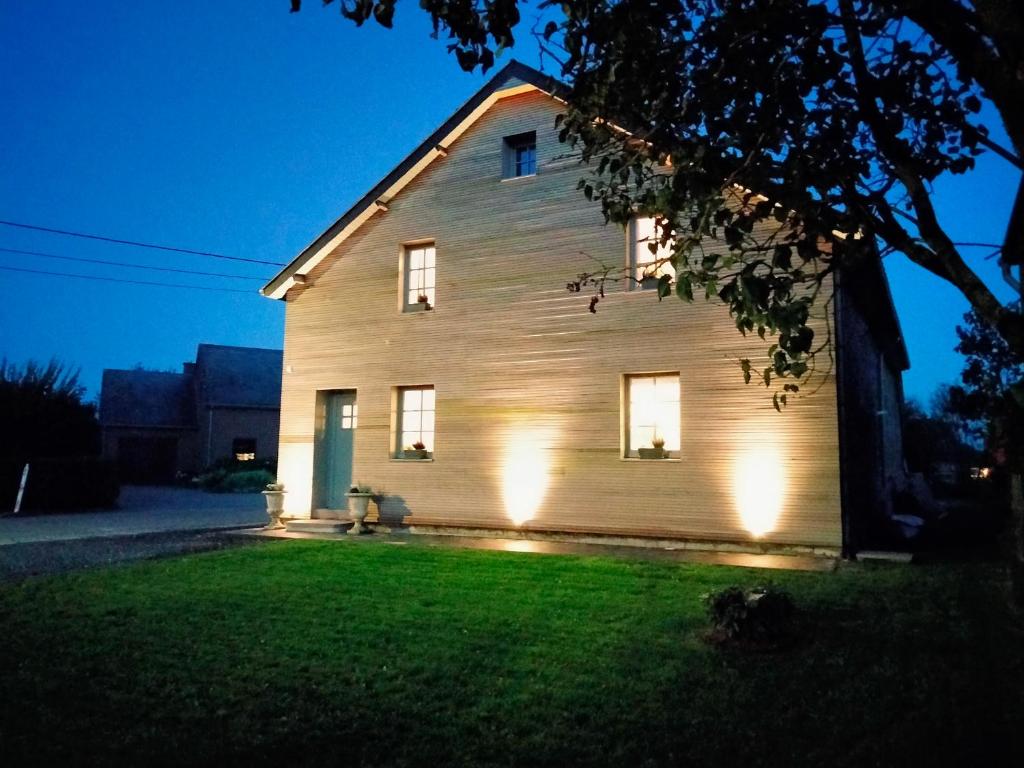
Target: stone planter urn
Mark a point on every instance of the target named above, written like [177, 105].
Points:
[358, 506]
[274, 494]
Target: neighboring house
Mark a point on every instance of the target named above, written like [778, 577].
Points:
[433, 353]
[224, 405]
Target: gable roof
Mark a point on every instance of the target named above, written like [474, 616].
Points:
[147, 399]
[239, 377]
[513, 79]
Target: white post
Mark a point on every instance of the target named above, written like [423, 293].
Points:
[21, 489]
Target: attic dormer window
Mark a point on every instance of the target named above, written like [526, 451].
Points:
[519, 155]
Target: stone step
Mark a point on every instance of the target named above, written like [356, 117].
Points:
[317, 526]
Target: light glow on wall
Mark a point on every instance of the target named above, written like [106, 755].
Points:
[759, 487]
[526, 473]
[295, 471]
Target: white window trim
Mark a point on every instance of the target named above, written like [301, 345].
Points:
[398, 443]
[633, 247]
[509, 146]
[405, 277]
[630, 452]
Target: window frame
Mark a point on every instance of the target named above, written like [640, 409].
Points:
[633, 263]
[510, 160]
[629, 451]
[398, 442]
[406, 276]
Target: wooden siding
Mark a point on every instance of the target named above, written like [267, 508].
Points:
[529, 382]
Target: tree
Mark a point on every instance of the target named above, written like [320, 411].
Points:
[934, 436]
[992, 396]
[756, 130]
[43, 413]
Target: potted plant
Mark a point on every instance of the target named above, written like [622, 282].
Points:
[274, 494]
[358, 505]
[422, 304]
[648, 282]
[418, 451]
[656, 451]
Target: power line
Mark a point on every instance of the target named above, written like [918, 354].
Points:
[136, 243]
[132, 266]
[132, 282]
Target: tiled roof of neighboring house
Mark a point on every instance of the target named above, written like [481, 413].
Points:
[146, 399]
[245, 377]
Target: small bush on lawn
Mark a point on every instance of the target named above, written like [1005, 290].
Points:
[758, 617]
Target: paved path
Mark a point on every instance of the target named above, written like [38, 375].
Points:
[533, 546]
[142, 509]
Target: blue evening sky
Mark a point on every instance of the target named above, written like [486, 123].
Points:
[238, 128]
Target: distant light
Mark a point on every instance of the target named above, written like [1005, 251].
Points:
[245, 456]
[759, 489]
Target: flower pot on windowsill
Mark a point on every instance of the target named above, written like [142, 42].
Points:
[358, 507]
[652, 453]
[422, 304]
[275, 505]
[648, 283]
[416, 453]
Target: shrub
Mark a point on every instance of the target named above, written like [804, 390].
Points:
[243, 481]
[758, 616]
[247, 482]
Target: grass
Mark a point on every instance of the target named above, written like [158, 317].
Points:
[335, 653]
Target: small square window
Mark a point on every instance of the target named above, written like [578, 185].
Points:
[652, 415]
[420, 278]
[244, 448]
[519, 155]
[349, 416]
[647, 266]
[414, 428]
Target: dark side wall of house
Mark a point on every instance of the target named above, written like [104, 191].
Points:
[870, 360]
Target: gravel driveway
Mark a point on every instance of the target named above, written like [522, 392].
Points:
[150, 521]
[18, 561]
[141, 509]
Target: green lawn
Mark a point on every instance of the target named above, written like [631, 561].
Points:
[338, 653]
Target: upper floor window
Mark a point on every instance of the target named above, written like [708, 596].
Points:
[519, 155]
[652, 418]
[419, 278]
[646, 265]
[415, 423]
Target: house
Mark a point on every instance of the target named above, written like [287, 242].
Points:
[224, 405]
[433, 353]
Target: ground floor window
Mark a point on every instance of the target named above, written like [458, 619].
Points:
[651, 421]
[415, 423]
[244, 448]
